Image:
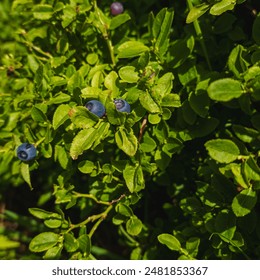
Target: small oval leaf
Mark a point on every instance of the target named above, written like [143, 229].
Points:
[225, 90]
[170, 241]
[44, 241]
[222, 150]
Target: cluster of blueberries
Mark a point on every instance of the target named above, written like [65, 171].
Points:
[97, 108]
[27, 152]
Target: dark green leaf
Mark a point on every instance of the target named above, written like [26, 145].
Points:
[256, 29]
[225, 225]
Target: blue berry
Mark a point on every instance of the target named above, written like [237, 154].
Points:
[116, 8]
[96, 107]
[26, 152]
[122, 105]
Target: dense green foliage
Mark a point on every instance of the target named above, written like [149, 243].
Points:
[176, 178]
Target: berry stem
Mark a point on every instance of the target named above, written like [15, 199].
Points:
[200, 36]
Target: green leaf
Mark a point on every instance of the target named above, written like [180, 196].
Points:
[222, 6]
[197, 12]
[131, 49]
[134, 178]
[110, 82]
[180, 50]
[170, 241]
[51, 219]
[25, 172]
[60, 115]
[71, 244]
[119, 20]
[237, 62]
[187, 113]
[154, 118]
[124, 210]
[42, 11]
[134, 226]
[225, 89]
[148, 144]
[86, 166]
[62, 156]
[86, 138]
[44, 241]
[40, 213]
[113, 115]
[59, 98]
[161, 30]
[222, 150]
[244, 202]
[84, 244]
[38, 115]
[251, 169]
[225, 225]
[91, 92]
[82, 117]
[149, 103]
[203, 127]
[199, 103]
[192, 246]
[128, 74]
[245, 134]
[126, 141]
[53, 253]
[163, 86]
[69, 14]
[239, 176]
[190, 205]
[171, 100]
[75, 81]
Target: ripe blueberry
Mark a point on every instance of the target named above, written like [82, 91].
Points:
[116, 8]
[96, 107]
[26, 152]
[122, 105]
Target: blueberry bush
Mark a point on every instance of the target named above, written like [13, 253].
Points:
[129, 133]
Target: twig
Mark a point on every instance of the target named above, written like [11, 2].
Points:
[143, 126]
